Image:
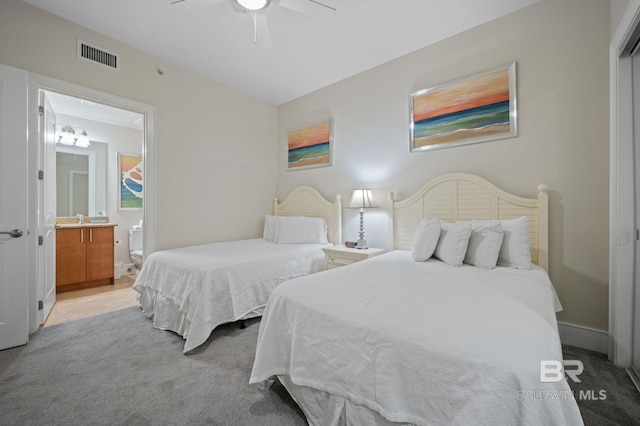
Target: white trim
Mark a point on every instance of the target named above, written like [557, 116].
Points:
[39, 82]
[621, 193]
[584, 337]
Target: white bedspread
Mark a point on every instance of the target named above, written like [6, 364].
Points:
[192, 290]
[419, 343]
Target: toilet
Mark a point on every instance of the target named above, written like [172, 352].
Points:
[135, 245]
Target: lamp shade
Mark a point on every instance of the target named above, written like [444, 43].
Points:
[362, 199]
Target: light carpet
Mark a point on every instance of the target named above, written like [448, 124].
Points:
[116, 368]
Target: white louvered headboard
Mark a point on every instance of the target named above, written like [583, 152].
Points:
[459, 196]
[307, 201]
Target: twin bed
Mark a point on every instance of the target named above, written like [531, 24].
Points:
[389, 340]
[192, 290]
[392, 340]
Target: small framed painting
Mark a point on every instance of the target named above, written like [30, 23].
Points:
[310, 146]
[131, 182]
[472, 109]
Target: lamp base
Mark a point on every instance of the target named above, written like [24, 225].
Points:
[362, 244]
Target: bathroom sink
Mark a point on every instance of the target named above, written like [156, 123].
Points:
[84, 225]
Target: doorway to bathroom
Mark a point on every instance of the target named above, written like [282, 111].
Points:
[28, 278]
[88, 183]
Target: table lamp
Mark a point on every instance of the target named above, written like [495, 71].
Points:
[362, 199]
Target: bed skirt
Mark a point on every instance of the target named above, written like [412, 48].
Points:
[166, 314]
[323, 408]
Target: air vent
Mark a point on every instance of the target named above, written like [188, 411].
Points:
[97, 55]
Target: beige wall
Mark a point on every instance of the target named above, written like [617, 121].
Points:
[206, 154]
[206, 151]
[561, 50]
[618, 8]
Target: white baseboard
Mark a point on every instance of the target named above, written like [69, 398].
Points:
[129, 269]
[584, 337]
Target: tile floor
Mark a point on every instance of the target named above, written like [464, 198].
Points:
[88, 302]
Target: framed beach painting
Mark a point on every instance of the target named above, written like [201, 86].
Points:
[130, 185]
[310, 146]
[472, 109]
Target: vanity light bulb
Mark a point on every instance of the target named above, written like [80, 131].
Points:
[83, 140]
[68, 135]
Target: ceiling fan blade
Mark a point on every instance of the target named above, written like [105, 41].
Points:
[194, 5]
[316, 9]
[262, 35]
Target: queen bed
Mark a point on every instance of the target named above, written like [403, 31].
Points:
[400, 339]
[192, 290]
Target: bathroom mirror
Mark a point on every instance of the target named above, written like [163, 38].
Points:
[81, 180]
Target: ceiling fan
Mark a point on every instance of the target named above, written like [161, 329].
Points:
[254, 8]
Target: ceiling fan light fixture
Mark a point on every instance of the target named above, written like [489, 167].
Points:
[253, 5]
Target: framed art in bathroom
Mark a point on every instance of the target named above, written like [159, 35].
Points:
[310, 146]
[472, 109]
[131, 182]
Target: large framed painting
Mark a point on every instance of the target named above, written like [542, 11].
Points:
[131, 182]
[310, 146]
[472, 109]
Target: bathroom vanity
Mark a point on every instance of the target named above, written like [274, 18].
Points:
[84, 255]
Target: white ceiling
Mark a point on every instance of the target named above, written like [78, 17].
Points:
[306, 54]
[76, 107]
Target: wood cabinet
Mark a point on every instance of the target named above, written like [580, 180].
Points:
[84, 257]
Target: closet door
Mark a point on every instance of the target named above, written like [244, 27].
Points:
[635, 357]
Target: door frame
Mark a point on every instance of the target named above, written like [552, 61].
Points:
[622, 193]
[39, 82]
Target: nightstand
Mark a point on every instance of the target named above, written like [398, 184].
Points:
[337, 256]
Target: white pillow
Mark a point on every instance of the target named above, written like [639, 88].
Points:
[301, 230]
[484, 244]
[515, 251]
[425, 239]
[270, 232]
[452, 245]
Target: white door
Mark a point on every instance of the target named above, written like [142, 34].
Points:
[47, 209]
[14, 262]
[635, 350]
